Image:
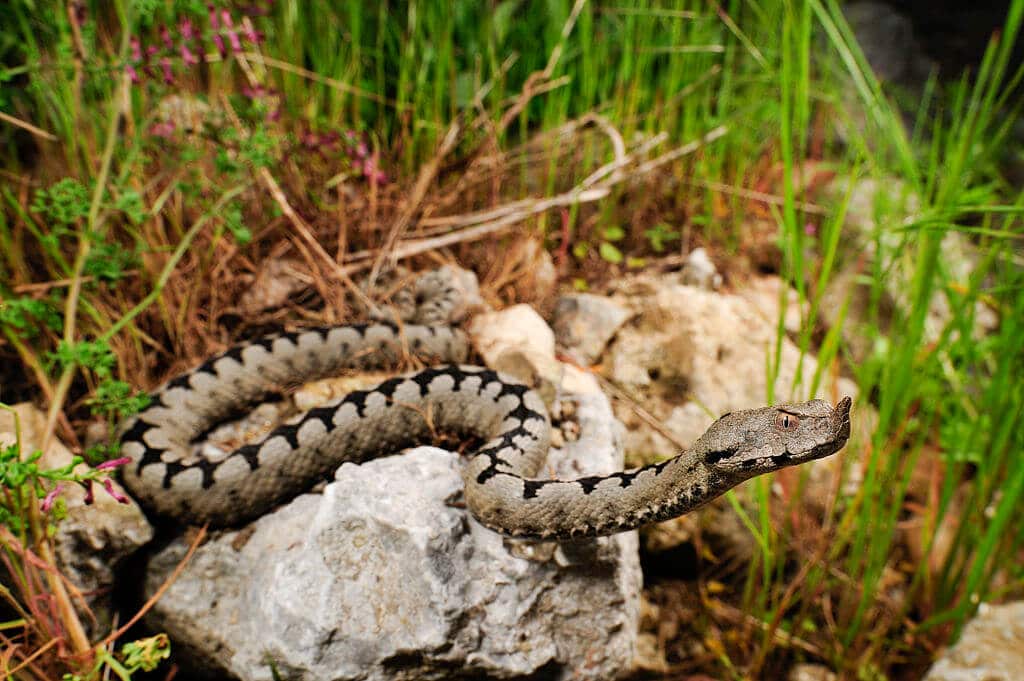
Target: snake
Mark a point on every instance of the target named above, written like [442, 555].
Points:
[503, 487]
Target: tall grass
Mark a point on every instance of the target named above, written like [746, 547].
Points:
[774, 72]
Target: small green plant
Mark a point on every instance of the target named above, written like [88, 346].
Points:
[606, 247]
[660, 235]
[143, 655]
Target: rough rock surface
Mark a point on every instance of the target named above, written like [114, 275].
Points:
[383, 576]
[584, 323]
[691, 355]
[991, 647]
[93, 539]
[811, 672]
[699, 271]
[518, 341]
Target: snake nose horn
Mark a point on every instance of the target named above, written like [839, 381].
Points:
[841, 417]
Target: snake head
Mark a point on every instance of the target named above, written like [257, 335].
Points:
[743, 444]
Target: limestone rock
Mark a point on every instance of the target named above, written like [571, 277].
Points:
[699, 271]
[385, 577]
[584, 323]
[518, 341]
[691, 355]
[686, 358]
[811, 672]
[764, 294]
[991, 647]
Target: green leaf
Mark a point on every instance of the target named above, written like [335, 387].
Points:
[610, 253]
[614, 233]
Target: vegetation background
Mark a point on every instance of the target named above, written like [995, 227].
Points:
[154, 152]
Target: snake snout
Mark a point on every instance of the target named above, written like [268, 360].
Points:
[841, 418]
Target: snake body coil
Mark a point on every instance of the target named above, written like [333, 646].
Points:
[500, 488]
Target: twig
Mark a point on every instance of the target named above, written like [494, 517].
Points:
[486, 223]
[38, 132]
[306, 73]
[756, 195]
[645, 416]
[419, 191]
[24, 664]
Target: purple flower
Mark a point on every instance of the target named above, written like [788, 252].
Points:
[187, 56]
[88, 491]
[50, 498]
[133, 75]
[165, 64]
[251, 34]
[187, 29]
[136, 49]
[810, 229]
[255, 92]
[165, 35]
[108, 485]
[113, 463]
[236, 43]
[218, 40]
[214, 20]
[163, 129]
[371, 172]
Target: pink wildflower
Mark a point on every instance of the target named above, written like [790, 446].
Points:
[88, 491]
[163, 129]
[187, 56]
[133, 75]
[50, 498]
[187, 29]
[136, 49]
[218, 40]
[165, 64]
[810, 229]
[372, 173]
[165, 35]
[108, 485]
[236, 43]
[251, 34]
[255, 92]
[113, 463]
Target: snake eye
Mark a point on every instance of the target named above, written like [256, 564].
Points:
[787, 423]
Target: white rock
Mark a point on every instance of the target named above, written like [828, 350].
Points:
[518, 326]
[699, 271]
[382, 577]
[700, 354]
[584, 323]
[811, 672]
[991, 647]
